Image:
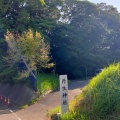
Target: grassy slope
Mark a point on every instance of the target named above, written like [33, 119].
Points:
[100, 100]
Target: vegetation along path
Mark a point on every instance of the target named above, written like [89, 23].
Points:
[38, 111]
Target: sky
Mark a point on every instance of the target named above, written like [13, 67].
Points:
[115, 3]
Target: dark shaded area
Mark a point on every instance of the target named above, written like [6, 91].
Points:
[33, 82]
[77, 84]
[18, 94]
[22, 66]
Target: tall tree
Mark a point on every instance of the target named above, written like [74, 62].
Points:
[30, 49]
[85, 43]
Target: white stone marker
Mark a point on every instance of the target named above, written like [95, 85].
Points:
[64, 93]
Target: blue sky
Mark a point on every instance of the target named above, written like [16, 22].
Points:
[115, 3]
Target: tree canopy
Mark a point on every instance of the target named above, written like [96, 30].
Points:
[77, 36]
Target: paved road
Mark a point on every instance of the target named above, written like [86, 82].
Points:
[6, 113]
[38, 110]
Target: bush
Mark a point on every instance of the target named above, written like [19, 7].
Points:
[47, 82]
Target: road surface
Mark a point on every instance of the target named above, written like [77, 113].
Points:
[38, 110]
[6, 113]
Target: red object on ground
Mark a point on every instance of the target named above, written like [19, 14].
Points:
[1, 97]
[8, 102]
[5, 99]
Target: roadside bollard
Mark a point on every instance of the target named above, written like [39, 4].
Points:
[5, 100]
[1, 97]
[8, 102]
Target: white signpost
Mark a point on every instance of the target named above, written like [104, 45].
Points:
[64, 93]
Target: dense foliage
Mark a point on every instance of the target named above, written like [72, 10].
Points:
[80, 36]
[88, 41]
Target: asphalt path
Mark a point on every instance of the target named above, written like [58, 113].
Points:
[6, 113]
[38, 110]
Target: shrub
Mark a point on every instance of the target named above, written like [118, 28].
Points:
[47, 82]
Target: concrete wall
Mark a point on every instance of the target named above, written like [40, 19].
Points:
[18, 94]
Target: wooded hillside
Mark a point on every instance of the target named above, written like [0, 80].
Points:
[71, 37]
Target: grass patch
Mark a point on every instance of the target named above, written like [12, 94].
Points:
[24, 106]
[30, 103]
[100, 99]
[46, 82]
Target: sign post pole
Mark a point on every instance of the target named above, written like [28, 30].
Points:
[64, 93]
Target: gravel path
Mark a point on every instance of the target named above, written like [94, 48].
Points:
[38, 110]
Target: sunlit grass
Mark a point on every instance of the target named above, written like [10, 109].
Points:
[46, 82]
[100, 99]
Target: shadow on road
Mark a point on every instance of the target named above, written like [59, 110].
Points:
[77, 84]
